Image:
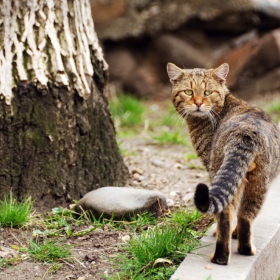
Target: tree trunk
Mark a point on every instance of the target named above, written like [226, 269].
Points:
[57, 139]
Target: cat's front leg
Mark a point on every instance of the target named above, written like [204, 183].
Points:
[223, 237]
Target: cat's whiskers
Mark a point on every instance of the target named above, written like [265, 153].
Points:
[212, 119]
[182, 113]
[185, 115]
[216, 114]
[176, 116]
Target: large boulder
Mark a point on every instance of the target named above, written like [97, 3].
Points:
[118, 19]
[122, 202]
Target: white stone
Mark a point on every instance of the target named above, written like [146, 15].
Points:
[158, 163]
[170, 202]
[125, 238]
[122, 201]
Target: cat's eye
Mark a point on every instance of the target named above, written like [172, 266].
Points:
[207, 92]
[188, 92]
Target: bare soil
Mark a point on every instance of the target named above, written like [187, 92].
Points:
[151, 166]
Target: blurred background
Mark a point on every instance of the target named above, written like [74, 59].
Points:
[139, 37]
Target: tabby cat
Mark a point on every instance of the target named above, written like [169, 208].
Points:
[238, 144]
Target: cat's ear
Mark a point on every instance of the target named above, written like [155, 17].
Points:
[174, 72]
[220, 73]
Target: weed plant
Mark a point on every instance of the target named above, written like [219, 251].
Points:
[127, 111]
[14, 213]
[170, 137]
[273, 109]
[154, 254]
[49, 251]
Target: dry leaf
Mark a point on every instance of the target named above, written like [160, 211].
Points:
[162, 260]
[209, 267]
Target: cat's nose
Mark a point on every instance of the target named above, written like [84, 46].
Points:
[198, 103]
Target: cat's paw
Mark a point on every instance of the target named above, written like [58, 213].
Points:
[220, 258]
[247, 250]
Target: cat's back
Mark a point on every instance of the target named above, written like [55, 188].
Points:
[239, 117]
[241, 122]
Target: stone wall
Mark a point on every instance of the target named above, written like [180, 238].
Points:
[141, 36]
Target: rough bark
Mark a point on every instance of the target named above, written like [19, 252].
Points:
[57, 139]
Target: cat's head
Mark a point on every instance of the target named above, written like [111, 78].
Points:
[198, 92]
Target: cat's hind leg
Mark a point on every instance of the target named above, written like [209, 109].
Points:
[234, 204]
[223, 236]
[252, 200]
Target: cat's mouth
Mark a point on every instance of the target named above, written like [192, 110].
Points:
[198, 112]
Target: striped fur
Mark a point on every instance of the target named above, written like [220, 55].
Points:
[239, 146]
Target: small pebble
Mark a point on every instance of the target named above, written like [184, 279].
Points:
[138, 170]
[136, 176]
[174, 193]
[106, 273]
[125, 238]
[81, 278]
[209, 267]
[178, 166]
[98, 230]
[142, 178]
[135, 183]
[158, 163]
[169, 202]
[72, 206]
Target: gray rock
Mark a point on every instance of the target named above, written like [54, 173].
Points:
[122, 202]
[158, 163]
[180, 52]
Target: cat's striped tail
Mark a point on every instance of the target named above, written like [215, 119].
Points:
[238, 158]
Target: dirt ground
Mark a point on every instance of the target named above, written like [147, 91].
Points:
[151, 166]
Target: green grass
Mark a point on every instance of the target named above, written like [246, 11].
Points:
[60, 222]
[190, 156]
[132, 116]
[170, 137]
[195, 166]
[9, 262]
[127, 111]
[49, 251]
[135, 224]
[154, 254]
[14, 213]
[273, 109]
